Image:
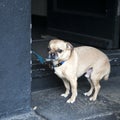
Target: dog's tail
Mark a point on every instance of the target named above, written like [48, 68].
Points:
[106, 77]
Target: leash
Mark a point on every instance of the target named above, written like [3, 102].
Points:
[40, 58]
[43, 60]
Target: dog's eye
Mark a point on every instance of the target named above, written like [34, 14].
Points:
[59, 50]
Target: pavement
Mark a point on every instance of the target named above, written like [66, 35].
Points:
[25, 116]
[51, 106]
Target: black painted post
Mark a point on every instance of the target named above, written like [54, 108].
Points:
[15, 78]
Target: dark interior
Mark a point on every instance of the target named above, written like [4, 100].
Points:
[92, 7]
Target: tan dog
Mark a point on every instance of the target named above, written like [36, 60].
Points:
[70, 63]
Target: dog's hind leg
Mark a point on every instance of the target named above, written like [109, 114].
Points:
[88, 76]
[97, 89]
[91, 88]
[67, 87]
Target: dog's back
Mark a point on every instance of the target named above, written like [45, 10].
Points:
[90, 57]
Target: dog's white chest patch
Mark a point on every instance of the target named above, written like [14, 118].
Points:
[59, 73]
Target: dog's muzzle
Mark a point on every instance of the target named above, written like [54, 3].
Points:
[53, 56]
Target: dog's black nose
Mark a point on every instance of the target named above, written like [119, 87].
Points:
[52, 55]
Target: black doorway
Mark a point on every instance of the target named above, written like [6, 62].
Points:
[94, 23]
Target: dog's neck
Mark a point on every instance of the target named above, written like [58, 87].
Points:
[58, 63]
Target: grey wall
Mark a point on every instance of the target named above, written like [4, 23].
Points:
[15, 84]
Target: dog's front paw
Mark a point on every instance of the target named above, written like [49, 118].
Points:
[87, 93]
[64, 95]
[71, 100]
[92, 98]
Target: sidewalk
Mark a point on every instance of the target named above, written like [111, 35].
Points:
[51, 106]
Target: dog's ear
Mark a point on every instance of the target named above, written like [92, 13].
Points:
[69, 46]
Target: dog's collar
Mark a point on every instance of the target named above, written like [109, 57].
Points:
[59, 64]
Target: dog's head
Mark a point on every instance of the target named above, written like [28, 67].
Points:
[59, 50]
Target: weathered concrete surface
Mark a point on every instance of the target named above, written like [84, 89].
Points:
[26, 116]
[52, 106]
